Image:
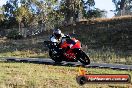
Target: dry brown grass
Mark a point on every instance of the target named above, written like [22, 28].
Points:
[108, 19]
[24, 75]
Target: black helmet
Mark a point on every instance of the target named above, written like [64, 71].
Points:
[57, 33]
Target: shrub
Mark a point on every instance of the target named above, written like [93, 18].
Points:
[14, 34]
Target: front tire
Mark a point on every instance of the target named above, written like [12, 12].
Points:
[55, 57]
[83, 58]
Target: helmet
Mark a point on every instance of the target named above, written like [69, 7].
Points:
[57, 33]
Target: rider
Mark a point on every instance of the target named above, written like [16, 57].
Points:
[56, 36]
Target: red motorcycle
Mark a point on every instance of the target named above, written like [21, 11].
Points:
[61, 52]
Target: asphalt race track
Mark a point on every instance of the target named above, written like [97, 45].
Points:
[48, 61]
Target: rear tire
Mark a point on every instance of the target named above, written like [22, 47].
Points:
[55, 57]
[83, 58]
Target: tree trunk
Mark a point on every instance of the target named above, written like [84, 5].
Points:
[19, 27]
[122, 4]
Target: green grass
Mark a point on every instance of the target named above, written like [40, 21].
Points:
[26, 48]
[27, 75]
[22, 48]
[109, 56]
[25, 54]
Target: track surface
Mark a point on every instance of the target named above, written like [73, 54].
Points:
[75, 64]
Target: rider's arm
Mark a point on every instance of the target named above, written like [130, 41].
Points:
[53, 39]
[54, 42]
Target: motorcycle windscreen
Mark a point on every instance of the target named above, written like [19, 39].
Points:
[64, 44]
[77, 45]
[73, 41]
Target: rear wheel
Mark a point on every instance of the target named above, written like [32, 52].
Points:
[55, 57]
[83, 58]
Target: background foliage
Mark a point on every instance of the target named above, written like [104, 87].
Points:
[40, 15]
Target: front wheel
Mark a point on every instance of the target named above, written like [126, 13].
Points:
[83, 58]
[55, 57]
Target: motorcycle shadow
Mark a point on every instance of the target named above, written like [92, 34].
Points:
[68, 64]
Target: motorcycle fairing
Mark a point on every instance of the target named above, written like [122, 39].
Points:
[75, 43]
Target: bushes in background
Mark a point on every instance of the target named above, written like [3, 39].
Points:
[14, 34]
